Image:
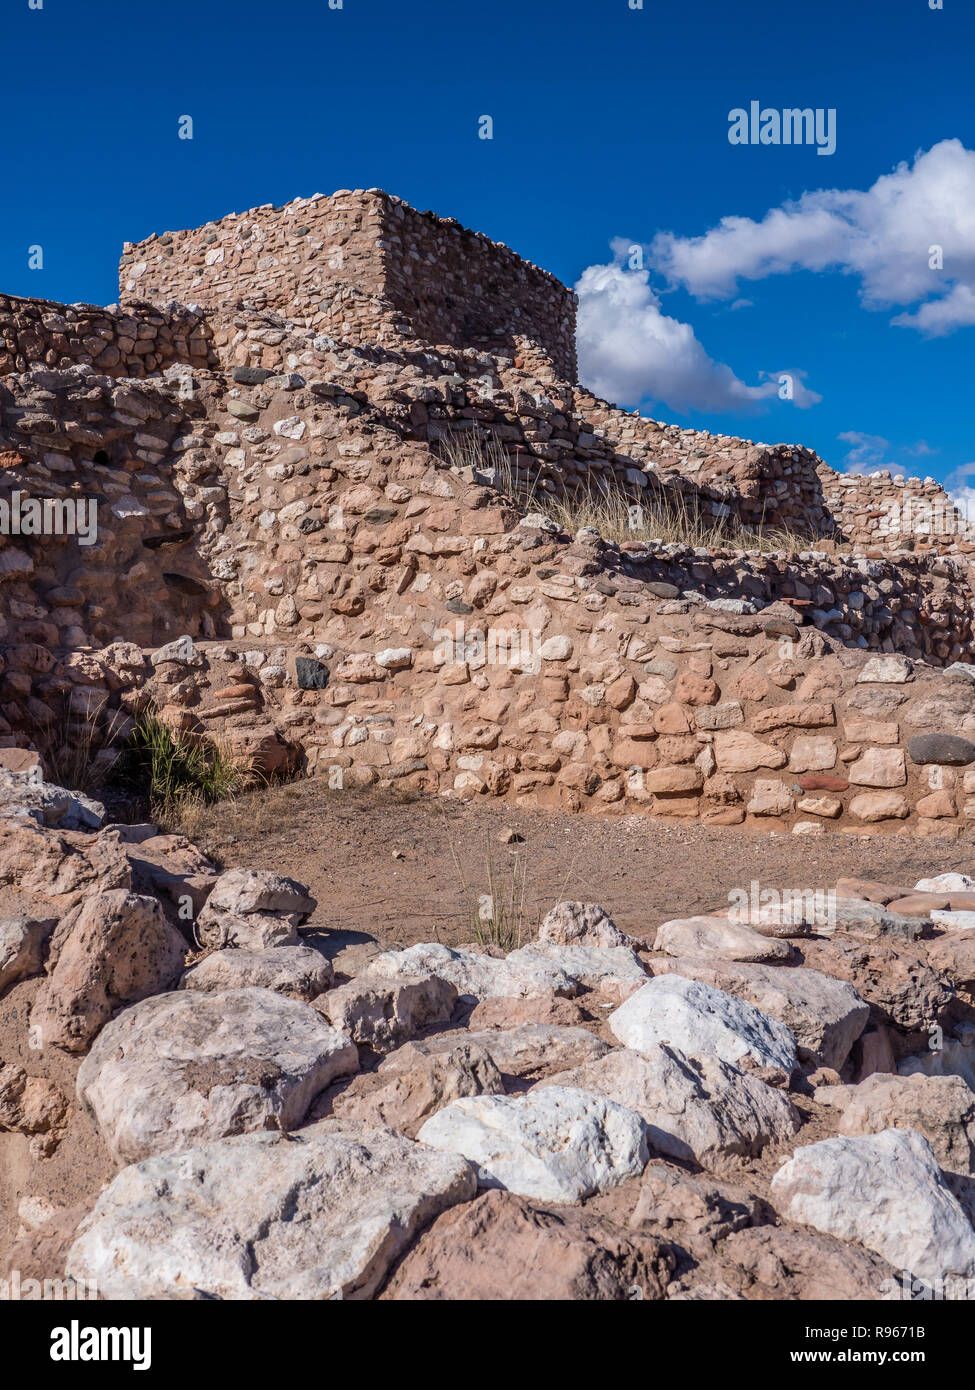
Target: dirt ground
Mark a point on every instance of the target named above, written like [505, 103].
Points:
[408, 871]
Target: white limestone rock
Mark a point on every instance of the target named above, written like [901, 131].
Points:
[185, 1068]
[556, 1145]
[885, 1191]
[475, 975]
[699, 1109]
[321, 1214]
[701, 1020]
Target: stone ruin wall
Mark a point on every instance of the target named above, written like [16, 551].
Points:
[284, 500]
[134, 340]
[878, 512]
[363, 267]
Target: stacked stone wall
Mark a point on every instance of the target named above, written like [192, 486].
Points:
[879, 512]
[134, 340]
[363, 267]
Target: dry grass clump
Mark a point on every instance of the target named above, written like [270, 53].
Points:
[666, 517]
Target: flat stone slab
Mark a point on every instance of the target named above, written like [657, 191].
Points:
[530, 1049]
[717, 936]
[185, 1068]
[558, 1145]
[296, 971]
[321, 1214]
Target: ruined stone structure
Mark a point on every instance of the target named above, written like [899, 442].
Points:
[292, 554]
[366, 268]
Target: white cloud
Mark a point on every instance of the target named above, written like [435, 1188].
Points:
[884, 235]
[630, 351]
[959, 487]
[867, 454]
[801, 395]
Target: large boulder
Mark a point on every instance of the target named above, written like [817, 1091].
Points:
[403, 1100]
[321, 1214]
[556, 1145]
[717, 936]
[615, 972]
[297, 971]
[113, 950]
[904, 983]
[700, 1021]
[885, 1191]
[798, 1265]
[48, 804]
[703, 1109]
[825, 1015]
[584, 924]
[501, 1247]
[942, 1108]
[186, 1068]
[60, 868]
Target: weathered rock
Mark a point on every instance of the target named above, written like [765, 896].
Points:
[297, 971]
[189, 1067]
[22, 947]
[615, 972]
[321, 1214]
[700, 1109]
[700, 1020]
[409, 1097]
[116, 949]
[383, 1013]
[501, 1012]
[738, 751]
[897, 979]
[474, 974]
[717, 936]
[942, 1108]
[780, 1262]
[60, 868]
[557, 1145]
[876, 806]
[893, 669]
[824, 1015]
[879, 767]
[254, 909]
[948, 750]
[33, 1106]
[48, 804]
[530, 1050]
[501, 1247]
[948, 883]
[885, 1191]
[585, 924]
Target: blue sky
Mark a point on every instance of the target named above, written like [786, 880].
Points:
[610, 126]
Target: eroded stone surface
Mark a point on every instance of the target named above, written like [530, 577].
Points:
[189, 1067]
[314, 1215]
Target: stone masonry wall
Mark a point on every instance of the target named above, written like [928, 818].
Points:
[134, 340]
[879, 512]
[293, 558]
[364, 267]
